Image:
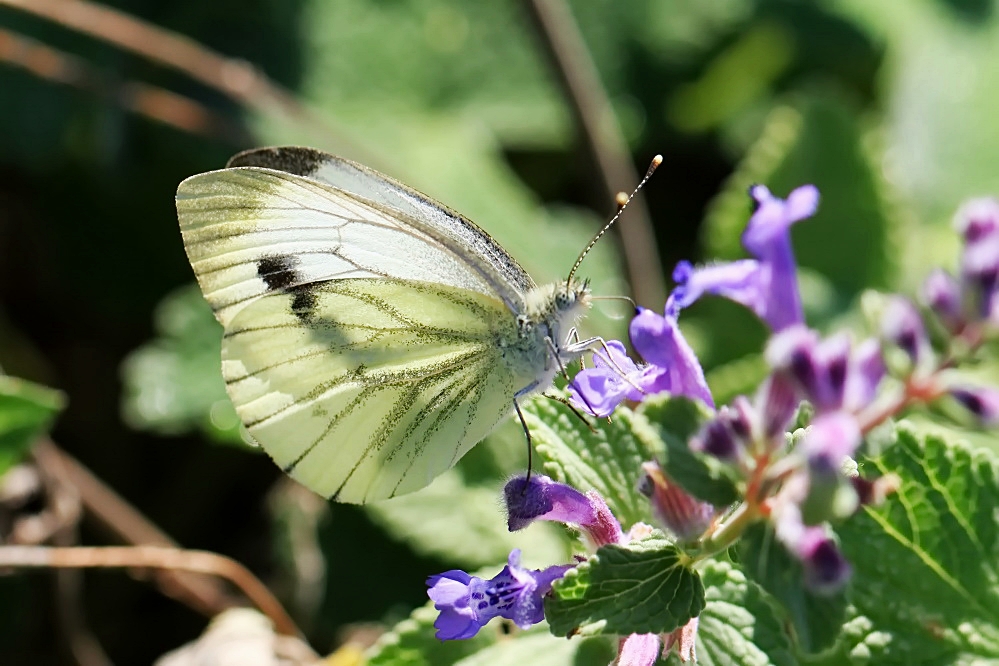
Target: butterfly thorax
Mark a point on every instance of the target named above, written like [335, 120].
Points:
[550, 311]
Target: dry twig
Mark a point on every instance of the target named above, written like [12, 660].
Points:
[153, 557]
[594, 115]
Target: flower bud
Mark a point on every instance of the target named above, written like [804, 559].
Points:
[981, 401]
[941, 293]
[902, 326]
[683, 515]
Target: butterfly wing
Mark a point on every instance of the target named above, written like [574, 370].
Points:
[353, 177]
[363, 347]
[366, 388]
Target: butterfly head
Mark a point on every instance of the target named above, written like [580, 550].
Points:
[554, 308]
[571, 299]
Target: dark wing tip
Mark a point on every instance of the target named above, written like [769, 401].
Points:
[290, 159]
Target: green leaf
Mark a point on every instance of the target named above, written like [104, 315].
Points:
[739, 625]
[412, 643]
[26, 410]
[925, 563]
[739, 377]
[173, 383]
[608, 460]
[676, 420]
[735, 79]
[642, 587]
[465, 524]
[815, 619]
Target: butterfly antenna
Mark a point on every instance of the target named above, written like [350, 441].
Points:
[622, 203]
[634, 305]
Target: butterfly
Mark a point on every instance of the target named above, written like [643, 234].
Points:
[372, 335]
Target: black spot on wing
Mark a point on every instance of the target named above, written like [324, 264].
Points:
[278, 271]
[305, 300]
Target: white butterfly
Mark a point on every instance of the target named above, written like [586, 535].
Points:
[372, 335]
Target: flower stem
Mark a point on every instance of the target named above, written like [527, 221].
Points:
[730, 530]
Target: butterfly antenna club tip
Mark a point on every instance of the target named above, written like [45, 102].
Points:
[622, 200]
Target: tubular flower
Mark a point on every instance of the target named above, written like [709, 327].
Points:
[541, 498]
[672, 367]
[767, 284]
[466, 603]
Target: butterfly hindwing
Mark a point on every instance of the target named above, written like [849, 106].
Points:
[366, 388]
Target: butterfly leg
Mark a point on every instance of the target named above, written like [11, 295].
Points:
[565, 373]
[527, 434]
[589, 344]
[572, 408]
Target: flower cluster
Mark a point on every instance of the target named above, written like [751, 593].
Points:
[466, 603]
[801, 483]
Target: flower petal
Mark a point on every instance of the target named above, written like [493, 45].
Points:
[638, 650]
[659, 340]
[772, 220]
[541, 498]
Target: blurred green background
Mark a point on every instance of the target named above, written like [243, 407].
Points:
[887, 106]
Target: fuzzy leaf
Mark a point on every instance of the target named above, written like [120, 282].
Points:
[815, 619]
[738, 626]
[542, 649]
[925, 563]
[608, 460]
[412, 643]
[642, 587]
[676, 420]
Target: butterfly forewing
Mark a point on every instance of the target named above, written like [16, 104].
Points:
[252, 231]
[362, 389]
[373, 186]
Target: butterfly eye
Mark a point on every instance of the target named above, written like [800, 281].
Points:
[563, 300]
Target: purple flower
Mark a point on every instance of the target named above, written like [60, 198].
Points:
[541, 498]
[867, 369]
[830, 438]
[777, 401]
[673, 368]
[978, 222]
[466, 603]
[825, 371]
[729, 433]
[683, 515]
[638, 650]
[941, 292]
[826, 570]
[659, 340]
[767, 285]
[902, 326]
[981, 401]
[613, 379]
[978, 219]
